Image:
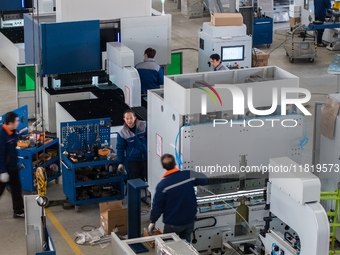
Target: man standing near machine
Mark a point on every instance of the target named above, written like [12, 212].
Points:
[150, 73]
[132, 146]
[320, 11]
[9, 171]
[175, 198]
[216, 63]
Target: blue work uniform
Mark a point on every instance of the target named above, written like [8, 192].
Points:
[151, 74]
[175, 198]
[132, 148]
[9, 164]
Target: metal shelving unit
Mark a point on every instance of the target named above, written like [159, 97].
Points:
[27, 156]
[89, 180]
[70, 184]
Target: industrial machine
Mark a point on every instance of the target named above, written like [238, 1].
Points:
[71, 57]
[294, 198]
[166, 244]
[12, 32]
[231, 42]
[74, 58]
[208, 136]
[325, 146]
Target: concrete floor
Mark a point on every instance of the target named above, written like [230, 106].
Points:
[184, 35]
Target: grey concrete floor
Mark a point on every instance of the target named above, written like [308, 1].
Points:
[313, 76]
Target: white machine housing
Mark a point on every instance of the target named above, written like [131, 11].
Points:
[297, 204]
[140, 33]
[200, 144]
[223, 40]
[43, 6]
[11, 54]
[120, 60]
[34, 227]
[328, 156]
[169, 241]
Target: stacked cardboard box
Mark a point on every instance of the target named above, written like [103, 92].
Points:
[260, 58]
[192, 8]
[294, 14]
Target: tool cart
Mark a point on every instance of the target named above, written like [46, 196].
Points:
[304, 44]
[44, 154]
[35, 150]
[89, 166]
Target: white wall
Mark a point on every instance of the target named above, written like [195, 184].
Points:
[74, 10]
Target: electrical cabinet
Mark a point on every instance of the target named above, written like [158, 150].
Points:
[263, 31]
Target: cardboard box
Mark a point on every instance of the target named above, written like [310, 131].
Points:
[260, 58]
[295, 14]
[294, 8]
[113, 215]
[227, 19]
[294, 21]
[155, 232]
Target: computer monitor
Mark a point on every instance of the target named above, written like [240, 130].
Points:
[232, 53]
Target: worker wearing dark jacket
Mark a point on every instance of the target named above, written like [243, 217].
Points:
[9, 172]
[132, 146]
[150, 73]
[175, 198]
[320, 12]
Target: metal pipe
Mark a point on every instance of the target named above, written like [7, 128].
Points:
[254, 252]
[230, 196]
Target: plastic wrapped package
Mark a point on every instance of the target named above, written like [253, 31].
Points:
[94, 237]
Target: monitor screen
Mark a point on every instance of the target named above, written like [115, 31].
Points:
[232, 53]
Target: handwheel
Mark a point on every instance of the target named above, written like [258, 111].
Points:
[311, 60]
[291, 60]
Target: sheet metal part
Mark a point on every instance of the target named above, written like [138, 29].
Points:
[230, 196]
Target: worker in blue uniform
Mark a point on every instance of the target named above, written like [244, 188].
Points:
[150, 73]
[132, 146]
[320, 12]
[9, 170]
[216, 63]
[175, 198]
